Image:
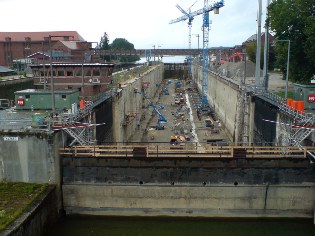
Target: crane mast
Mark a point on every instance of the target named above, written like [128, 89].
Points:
[205, 56]
[205, 51]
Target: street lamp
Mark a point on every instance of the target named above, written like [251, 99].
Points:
[288, 63]
[197, 35]
[83, 61]
[159, 54]
[51, 78]
[154, 52]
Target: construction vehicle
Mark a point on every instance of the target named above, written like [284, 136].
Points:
[178, 84]
[165, 91]
[162, 121]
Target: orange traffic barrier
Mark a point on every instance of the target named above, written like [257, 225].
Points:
[294, 105]
[289, 102]
[300, 106]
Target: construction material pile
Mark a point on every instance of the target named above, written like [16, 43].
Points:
[235, 70]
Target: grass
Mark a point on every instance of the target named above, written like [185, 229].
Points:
[122, 77]
[15, 198]
[282, 94]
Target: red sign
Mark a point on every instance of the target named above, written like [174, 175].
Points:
[20, 102]
[311, 98]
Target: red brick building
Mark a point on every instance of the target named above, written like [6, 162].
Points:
[89, 78]
[20, 45]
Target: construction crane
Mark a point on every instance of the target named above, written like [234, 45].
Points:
[205, 51]
[162, 121]
[190, 19]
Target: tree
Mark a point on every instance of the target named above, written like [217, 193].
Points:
[294, 20]
[123, 44]
[118, 44]
[251, 52]
[104, 43]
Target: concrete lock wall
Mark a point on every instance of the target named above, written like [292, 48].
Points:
[224, 97]
[39, 217]
[29, 157]
[210, 201]
[128, 104]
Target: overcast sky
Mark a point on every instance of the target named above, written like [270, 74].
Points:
[142, 22]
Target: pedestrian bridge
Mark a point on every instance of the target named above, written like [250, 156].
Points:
[156, 52]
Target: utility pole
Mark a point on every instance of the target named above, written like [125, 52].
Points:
[257, 72]
[266, 51]
[51, 78]
[44, 65]
[53, 107]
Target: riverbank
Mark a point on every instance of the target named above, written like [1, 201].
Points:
[27, 209]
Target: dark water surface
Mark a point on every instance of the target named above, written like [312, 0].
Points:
[138, 226]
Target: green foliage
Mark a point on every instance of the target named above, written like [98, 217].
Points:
[282, 94]
[251, 53]
[104, 43]
[123, 44]
[15, 198]
[117, 44]
[130, 74]
[294, 20]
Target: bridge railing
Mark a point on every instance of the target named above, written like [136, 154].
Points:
[187, 151]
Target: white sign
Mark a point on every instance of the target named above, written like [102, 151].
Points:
[13, 139]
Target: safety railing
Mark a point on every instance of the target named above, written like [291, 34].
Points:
[188, 151]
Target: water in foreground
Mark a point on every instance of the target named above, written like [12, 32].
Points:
[136, 226]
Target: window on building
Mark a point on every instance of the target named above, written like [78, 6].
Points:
[87, 73]
[49, 74]
[63, 96]
[79, 72]
[69, 72]
[96, 72]
[103, 72]
[27, 96]
[61, 73]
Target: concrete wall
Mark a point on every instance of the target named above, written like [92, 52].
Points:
[211, 201]
[29, 157]
[38, 218]
[189, 187]
[128, 103]
[225, 97]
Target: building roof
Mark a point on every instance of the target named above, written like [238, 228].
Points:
[254, 37]
[55, 64]
[5, 70]
[42, 91]
[55, 54]
[39, 36]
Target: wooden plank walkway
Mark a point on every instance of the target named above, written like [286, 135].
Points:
[189, 151]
